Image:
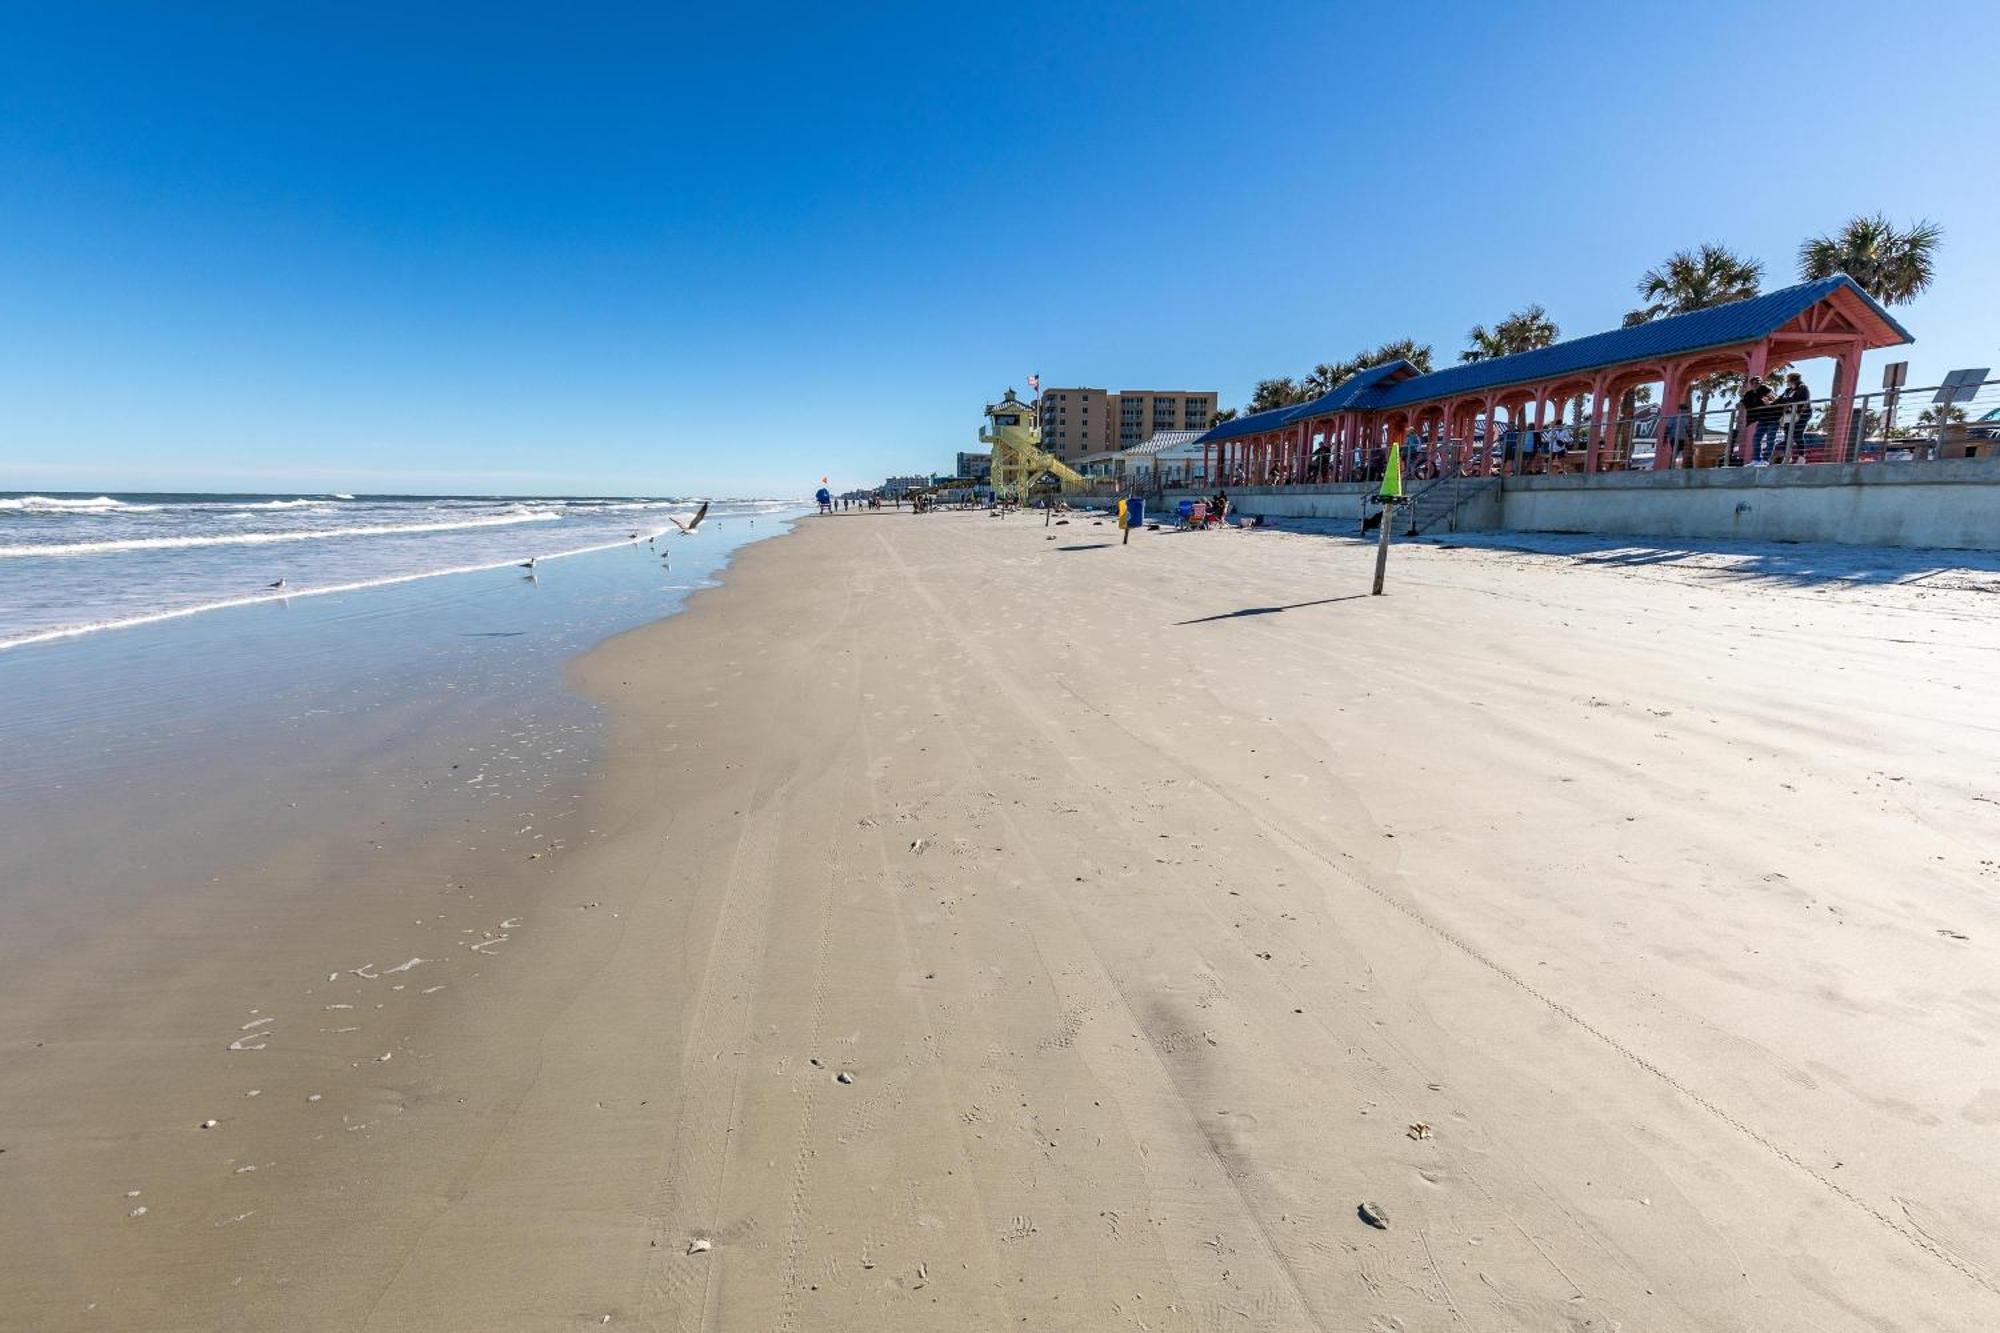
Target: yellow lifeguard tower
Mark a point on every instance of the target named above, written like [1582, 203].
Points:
[1021, 466]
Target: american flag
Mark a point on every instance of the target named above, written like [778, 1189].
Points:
[1035, 383]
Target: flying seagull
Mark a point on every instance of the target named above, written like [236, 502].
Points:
[688, 528]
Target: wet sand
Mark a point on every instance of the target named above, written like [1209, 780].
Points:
[977, 925]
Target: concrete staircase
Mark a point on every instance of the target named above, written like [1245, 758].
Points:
[1436, 507]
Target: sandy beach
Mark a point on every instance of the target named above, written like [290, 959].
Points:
[977, 925]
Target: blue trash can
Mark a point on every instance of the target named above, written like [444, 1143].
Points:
[1135, 512]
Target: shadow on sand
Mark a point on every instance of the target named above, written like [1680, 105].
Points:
[1271, 610]
[1784, 564]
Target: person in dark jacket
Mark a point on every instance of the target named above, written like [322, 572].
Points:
[1794, 409]
[1763, 419]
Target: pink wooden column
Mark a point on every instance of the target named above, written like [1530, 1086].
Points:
[1599, 419]
[1670, 406]
[1744, 429]
[1846, 378]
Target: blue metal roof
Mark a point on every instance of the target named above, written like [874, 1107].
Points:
[1344, 395]
[1718, 326]
[1254, 424]
[1352, 391]
[1676, 335]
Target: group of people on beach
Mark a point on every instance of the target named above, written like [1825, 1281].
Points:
[831, 504]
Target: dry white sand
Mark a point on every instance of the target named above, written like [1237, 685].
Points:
[1620, 929]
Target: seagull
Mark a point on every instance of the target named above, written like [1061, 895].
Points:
[529, 563]
[279, 584]
[688, 528]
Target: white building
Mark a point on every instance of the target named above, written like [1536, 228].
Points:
[1170, 458]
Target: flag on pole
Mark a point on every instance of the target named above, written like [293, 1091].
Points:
[1035, 383]
[1392, 473]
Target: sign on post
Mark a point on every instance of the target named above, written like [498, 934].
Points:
[1893, 376]
[1960, 386]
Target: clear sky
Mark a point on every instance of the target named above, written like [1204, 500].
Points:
[592, 248]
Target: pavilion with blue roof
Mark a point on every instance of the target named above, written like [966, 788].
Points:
[1396, 402]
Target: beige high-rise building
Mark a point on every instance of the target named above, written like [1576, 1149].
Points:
[1077, 422]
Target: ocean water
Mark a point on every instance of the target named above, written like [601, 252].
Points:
[73, 564]
[168, 716]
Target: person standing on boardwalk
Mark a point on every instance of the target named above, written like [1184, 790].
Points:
[1756, 403]
[1795, 408]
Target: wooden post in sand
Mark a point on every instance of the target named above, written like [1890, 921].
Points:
[1390, 496]
[1382, 547]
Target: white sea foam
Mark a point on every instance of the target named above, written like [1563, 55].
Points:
[176, 613]
[50, 504]
[57, 549]
[105, 504]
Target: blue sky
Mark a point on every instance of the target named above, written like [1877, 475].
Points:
[593, 248]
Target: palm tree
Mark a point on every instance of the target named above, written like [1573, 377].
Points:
[1403, 349]
[1522, 331]
[1530, 329]
[1279, 392]
[1693, 280]
[1890, 265]
[1325, 377]
[1483, 344]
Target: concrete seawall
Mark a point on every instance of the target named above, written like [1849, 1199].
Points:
[1953, 504]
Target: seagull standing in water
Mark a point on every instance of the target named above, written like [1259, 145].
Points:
[529, 563]
[688, 528]
[279, 584]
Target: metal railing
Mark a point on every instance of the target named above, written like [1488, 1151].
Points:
[1897, 426]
